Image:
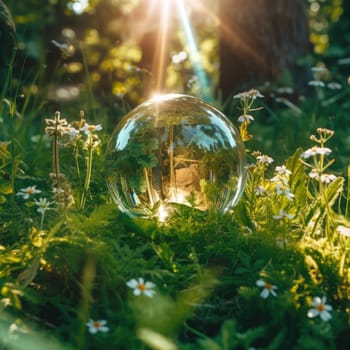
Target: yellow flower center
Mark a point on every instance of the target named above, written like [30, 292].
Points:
[268, 285]
[141, 286]
[320, 307]
[30, 190]
[91, 127]
[97, 324]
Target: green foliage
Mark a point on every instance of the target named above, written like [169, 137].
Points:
[62, 265]
[137, 155]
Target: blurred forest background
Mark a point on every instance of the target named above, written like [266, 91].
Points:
[104, 55]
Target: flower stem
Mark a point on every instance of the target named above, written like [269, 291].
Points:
[42, 220]
[88, 175]
[56, 164]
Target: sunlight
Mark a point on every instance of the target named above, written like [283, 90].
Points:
[194, 51]
[166, 12]
[232, 37]
[162, 213]
[157, 97]
[231, 34]
[159, 65]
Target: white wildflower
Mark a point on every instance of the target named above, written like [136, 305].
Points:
[43, 205]
[89, 129]
[268, 289]
[328, 178]
[141, 287]
[71, 132]
[315, 150]
[320, 308]
[97, 326]
[245, 118]
[25, 193]
[314, 174]
[282, 170]
[252, 94]
[264, 159]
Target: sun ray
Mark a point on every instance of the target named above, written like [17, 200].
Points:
[234, 38]
[194, 54]
[160, 58]
[162, 24]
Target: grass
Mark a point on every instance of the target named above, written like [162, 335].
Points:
[69, 263]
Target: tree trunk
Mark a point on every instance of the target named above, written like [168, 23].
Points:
[258, 40]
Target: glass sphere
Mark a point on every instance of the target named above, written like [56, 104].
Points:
[175, 149]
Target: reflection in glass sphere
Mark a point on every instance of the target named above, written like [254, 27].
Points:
[175, 149]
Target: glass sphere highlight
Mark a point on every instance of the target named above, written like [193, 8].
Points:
[175, 149]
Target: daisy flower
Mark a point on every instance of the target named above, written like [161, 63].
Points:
[268, 288]
[313, 151]
[320, 308]
[252, 93]
[89, 129]
[264, 159]
[141, 287]
[328, 178]
[43, 204]
[25, 193]
[245, 118]
[282, 170]
[71, 131]
[314, 174]
[97, 326]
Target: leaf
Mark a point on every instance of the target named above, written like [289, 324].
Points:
[28, 275]
[6, 19]
[3, 199]
[97, 219]
[5, 186]
[333, 190]
[242, 215]
[298, 178]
